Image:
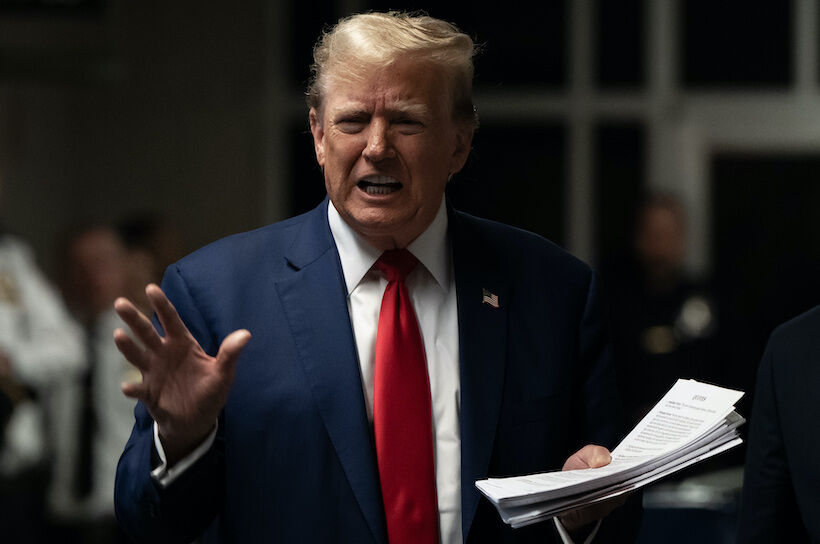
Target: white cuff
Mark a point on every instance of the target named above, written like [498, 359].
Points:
[165, 476]
[566, 539]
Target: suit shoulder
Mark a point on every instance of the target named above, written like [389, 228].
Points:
[518, 247]
[799, 329]
[793, 352]
[244, 249]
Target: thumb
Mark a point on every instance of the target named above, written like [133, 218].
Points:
[590, 456]
[231, 347]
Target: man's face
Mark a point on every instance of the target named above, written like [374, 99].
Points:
[388, 144]
[96, 270]
[661, 240]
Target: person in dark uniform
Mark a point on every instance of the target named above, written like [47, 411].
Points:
[664, 322]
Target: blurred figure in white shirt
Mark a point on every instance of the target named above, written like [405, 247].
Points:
[39, 347]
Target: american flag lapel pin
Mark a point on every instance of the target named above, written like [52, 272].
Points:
[489, 298]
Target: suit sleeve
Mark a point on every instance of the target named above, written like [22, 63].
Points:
[599, 408]
[182, 511]
[768, 508]
[600, 419]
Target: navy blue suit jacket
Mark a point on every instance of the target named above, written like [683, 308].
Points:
[781, 486]
[294, 459]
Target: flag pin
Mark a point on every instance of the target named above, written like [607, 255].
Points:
[489, 298]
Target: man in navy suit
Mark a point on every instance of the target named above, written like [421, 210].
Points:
[781, 501]
[272, 439]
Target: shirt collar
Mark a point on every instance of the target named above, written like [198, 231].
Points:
[357, 255]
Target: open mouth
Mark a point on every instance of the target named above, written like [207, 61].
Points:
[379, 185]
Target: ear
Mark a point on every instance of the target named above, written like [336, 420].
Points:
[318, 135]
[463, 145]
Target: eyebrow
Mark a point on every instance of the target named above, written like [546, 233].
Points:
[404, 107]
[349, 112]
[413, 108]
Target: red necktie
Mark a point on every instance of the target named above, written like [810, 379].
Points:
[402, 416]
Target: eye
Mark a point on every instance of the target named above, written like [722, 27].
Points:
[408, 125]
[350, 125]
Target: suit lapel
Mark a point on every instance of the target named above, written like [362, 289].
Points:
[482, 330]
[316, 308]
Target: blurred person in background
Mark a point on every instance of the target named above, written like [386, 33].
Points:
[39, 347]
[665, 327]
[664, 322]
[92, 421]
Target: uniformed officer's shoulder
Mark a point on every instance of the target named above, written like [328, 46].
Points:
[12, 244]
[515, 246]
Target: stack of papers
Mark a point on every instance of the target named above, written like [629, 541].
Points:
[692, 422]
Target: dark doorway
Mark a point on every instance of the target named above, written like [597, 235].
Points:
[766, 250]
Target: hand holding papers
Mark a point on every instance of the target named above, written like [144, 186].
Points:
[692, 422]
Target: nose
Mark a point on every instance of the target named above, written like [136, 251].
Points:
[378, 147]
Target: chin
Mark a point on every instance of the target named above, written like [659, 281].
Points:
[376, 221]
[379, 230]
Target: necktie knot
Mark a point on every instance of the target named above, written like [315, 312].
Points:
[396, 264]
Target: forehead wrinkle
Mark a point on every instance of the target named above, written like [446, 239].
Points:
[375, 89]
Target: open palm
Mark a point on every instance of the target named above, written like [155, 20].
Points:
[183, 387]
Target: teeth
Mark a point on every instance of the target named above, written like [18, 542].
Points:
[379, 189]
[380, 180]
[379, 185]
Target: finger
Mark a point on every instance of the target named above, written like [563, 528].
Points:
[138, 323]
[130, 350]
[166, 313]
[590, 456]
[230, 349]
[136, 390]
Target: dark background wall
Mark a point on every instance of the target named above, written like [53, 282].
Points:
[131, 106]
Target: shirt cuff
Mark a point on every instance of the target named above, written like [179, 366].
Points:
[566, 539]
[165, 476]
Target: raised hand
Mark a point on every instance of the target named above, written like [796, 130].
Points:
[183, 387]
[590, 456]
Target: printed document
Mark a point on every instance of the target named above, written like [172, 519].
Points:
[692, 422]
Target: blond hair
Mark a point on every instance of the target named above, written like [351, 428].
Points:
[359, 43]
